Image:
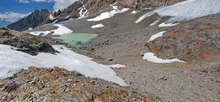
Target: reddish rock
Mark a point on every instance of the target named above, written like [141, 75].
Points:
[193, 40]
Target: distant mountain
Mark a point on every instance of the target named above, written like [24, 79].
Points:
[83, 8]
[38, 17]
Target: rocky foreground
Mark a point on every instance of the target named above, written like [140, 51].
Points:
[58, 85]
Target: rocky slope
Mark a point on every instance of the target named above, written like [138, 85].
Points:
[190, 41]
[123, 41]
[37, 18]
[95, 7]
[58, 85]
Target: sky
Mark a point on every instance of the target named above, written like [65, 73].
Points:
[13, 10]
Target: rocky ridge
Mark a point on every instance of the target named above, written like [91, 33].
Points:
[95, 7]
[36, 18]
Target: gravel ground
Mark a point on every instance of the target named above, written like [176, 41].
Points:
[122, 41]
[177, 82]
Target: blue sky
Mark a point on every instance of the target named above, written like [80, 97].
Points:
[15, 6]
[13, 10]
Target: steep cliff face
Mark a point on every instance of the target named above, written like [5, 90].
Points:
[35, 19]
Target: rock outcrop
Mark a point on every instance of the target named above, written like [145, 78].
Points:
[25, 42]
[58, 85]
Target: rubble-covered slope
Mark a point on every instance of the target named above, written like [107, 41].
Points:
[192, 40]
[58, 85]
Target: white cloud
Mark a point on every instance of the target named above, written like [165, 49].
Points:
[12, 16]
[24, 1]
[59, 4]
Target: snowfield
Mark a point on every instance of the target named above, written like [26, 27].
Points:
[155, 36]
[107, 15]
[97, 26]
[187, 10]
[13, 61]
[152, 58]
[59, 31]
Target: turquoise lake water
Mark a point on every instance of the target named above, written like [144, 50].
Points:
[76, 39]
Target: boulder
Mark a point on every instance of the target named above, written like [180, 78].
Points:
[25, 42]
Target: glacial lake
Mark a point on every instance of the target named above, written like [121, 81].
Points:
[76, 39]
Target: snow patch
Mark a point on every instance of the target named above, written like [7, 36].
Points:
[155, 22]
[97, 26]
[30, 28]
[144, 16]
[167, 25]
[155, 36]
[59, 31]
[107, 15]
[13, 61]
[149, 56]
[67, 17]
[134, 12]
[37, 33]
[116, 66]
